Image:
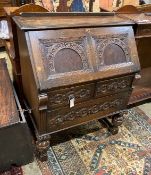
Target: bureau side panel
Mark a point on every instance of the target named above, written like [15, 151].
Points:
[30, 85]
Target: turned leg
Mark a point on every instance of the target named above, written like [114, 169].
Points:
[117, 119]
[113, 129]
[42, 148]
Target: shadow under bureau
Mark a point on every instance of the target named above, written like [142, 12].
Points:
[75, 68]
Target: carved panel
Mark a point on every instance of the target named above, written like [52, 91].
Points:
[67, 52]
[61, 97]
[74, 114]
[113, 54]
[114, 85]
[120, 41]
[67, 60]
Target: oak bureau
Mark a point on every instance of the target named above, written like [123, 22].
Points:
[75, 68]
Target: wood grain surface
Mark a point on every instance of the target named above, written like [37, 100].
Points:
[8, 108]
[52, 21]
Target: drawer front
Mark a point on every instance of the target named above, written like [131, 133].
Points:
[144, 30]
[62, 97]
[94, 109]
[113, 85]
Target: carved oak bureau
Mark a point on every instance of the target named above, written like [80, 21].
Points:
[75, 68]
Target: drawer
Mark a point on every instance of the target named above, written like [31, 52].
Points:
[143, 30]
[112, 86]
[62, 97]
[93, 109]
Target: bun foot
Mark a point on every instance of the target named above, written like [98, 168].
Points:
[112, 129]
[41, 150]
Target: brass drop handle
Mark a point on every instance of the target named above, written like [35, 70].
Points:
[71, 100]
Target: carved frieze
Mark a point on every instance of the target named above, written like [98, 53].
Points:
[85, 111]
[50, 47]
[63, 97]
[113, 86]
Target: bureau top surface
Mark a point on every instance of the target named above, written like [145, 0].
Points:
[52, 21]
[8, 109]
[143, 18]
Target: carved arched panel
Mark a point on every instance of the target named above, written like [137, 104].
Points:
[67, 60]
[112, 49]
[113, 54]
[64, 56]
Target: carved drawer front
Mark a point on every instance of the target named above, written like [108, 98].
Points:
[113, 85]
[94, 109]
[78, 94]
[144, 30]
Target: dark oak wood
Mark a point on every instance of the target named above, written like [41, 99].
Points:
[66, 117]
[113, 129]
[78, 70]
[95, 20]
[117, 119]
